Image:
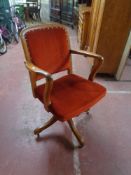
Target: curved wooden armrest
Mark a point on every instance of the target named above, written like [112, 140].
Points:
[48, 85]
[96, 66]
[31, 67]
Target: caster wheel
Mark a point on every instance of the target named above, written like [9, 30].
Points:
[81, 144]
[36, 131]
[87, 113]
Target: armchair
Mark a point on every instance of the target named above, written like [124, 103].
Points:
[47, 51]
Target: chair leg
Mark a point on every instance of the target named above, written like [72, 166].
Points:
[75, 132]
[87, 112]
[46, 125]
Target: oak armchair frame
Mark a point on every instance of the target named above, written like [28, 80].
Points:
[33, 70]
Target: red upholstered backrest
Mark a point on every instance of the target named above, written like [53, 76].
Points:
[49, 47]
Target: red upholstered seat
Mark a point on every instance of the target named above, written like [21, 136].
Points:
[72, 95]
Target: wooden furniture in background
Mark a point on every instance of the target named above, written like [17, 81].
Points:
[110, 25]
[62, 11]
[32, 10]
[87, 2]
[55, 10]
[76, 15]
[83, 25]
[67, 12]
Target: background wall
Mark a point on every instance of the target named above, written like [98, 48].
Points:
[45, 10]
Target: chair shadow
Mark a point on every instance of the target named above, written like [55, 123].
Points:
[60, 139]
[57, 138]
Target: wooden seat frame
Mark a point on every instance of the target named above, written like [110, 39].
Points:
[33, 70]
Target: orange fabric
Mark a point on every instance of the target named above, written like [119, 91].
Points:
[72, 95]
[49, 48]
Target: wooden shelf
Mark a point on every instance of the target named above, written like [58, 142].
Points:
[62, 11]
[83, 24]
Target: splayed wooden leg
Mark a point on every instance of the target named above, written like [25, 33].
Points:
[87, 112]
[75, 132]
[46, 125]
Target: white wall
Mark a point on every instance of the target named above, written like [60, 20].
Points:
[45, 10]
[12, 2]
[20, 1]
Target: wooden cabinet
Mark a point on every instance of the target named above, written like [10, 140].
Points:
[55, 10]
[62, 11]
[83, 24]
[110, 25]
[67, 13]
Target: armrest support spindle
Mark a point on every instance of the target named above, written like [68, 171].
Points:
[97, 64]
[48, 85]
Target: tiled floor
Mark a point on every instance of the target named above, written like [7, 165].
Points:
[106, 130]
